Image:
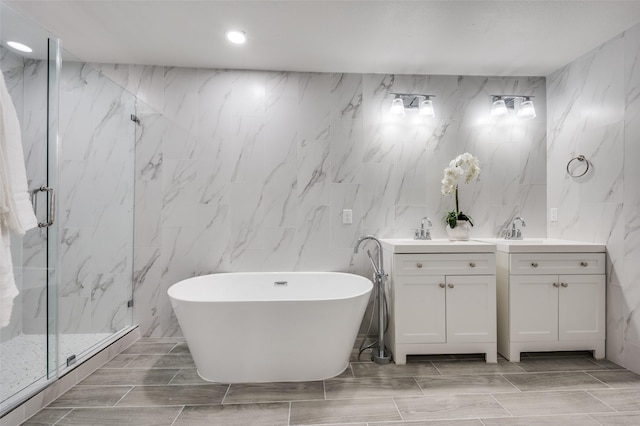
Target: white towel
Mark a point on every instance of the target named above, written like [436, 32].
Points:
[16, 211]
[8, 289]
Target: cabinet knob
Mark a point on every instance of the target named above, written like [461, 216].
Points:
[565, 285]
[441, 285]
[584, 263]
[419, 265]
[556, 285]
[534, 264]
[472, 264]
[450, 285]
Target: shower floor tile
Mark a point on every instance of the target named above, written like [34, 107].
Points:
[24, 358]
[141, 387]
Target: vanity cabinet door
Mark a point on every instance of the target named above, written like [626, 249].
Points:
[420, 309]
[533, 308]
[581, 307]
[471, 308]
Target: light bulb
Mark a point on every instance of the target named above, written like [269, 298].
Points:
[499, 108]
[426, 108]
[527, 111]
[236, 36]
[19, 46]
[397, 107]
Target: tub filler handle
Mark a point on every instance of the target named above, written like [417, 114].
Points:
[280, 283]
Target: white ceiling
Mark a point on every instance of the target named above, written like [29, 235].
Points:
[404, 37]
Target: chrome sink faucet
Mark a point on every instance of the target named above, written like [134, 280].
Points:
[424, 233]
[515, 233]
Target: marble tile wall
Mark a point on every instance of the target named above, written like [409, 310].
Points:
[250, 170]
[594, 110]
[95, 202]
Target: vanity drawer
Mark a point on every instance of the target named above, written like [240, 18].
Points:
[445, 264]
[557, 263]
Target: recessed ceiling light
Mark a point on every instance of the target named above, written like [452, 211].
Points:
[19, 46]
[236, 36]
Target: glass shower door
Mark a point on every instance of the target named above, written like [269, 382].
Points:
[28, 343]
[95, 200]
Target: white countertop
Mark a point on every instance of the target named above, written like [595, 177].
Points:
[490, 245]
[406, 245]
[543, 245]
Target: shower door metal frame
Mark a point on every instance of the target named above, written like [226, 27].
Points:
[54, 66]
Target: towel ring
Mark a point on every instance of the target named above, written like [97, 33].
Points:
[578, 158]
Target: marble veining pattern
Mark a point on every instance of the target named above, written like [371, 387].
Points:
[594, 110]
[95, 203]
[250, 170]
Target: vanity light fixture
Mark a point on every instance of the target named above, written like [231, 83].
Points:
[426, 108]
[502, 104]
[404, 101]
[499, 107]
[527, 111]
[236, 36]
[397, 107]
[19, 46]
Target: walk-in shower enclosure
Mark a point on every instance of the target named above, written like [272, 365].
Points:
[74, 276]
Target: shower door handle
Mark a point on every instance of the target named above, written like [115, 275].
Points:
[52, 204]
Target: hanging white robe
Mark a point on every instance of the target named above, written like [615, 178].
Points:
[16, 211]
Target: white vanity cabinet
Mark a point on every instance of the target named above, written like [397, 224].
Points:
[550, 302]
[441, 303]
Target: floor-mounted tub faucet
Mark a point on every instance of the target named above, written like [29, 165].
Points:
[424, 233]
[379, 355]
[515, 233]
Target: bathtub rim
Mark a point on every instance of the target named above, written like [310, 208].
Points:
[183, 282]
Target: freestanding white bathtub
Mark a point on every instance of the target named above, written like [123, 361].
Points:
[272, 326]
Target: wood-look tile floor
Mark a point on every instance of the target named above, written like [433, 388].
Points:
[154, 382]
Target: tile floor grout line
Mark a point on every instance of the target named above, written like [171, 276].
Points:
[59, 420]
[593, 396]
[436, 367]
[552, 371]
[418, 384]
[125, 394]
[289, 417]
[604, 383]
[512, 384]
[591, 417]
[225, 394]
[178, 415]
[395, 404]
[152, 384]
[173, 347]
[319, 399]
[174, 376]
[500, 404]
[517, 364]
[130, 361]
